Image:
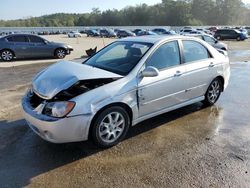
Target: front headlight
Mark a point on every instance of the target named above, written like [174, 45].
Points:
[58, 109]
[70, 47]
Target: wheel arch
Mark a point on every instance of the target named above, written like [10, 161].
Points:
[9, 50]
[221, 78]
[125, 106]
[58, 48]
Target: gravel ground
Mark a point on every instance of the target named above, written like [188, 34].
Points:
[190, 147]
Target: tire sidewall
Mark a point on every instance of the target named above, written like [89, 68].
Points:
[207, 101]
[4, 59]
[96, 124]
[57, 54]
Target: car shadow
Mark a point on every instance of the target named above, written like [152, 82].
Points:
[24, 155]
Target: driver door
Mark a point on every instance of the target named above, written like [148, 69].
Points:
[169, 87]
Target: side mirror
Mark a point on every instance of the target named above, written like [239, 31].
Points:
[46, 42]
[216, 41]
[150, 72]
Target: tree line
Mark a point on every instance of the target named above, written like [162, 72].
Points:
[168, 12]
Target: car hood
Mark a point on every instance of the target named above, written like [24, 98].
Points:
[63, 75]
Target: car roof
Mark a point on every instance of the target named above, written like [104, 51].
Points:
[153, 38]
[18, 34]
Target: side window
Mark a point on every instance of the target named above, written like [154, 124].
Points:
[35, 39]
[194, 51]
[18, 38]
[232, 32]
[167, 55]
[10, 39]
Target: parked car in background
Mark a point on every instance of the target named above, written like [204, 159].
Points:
[193, 32]
[185, 31]
[142, 33]
[136, 31]
[212, 41]
[222, 34]
[92, 33]
[125, 33]
[245, 32]
[248, 29]
[74, 34]
[110, 91]
[107, 33]
[31, 46]
[161, 31]
[213, 29]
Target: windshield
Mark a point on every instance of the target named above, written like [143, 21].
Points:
[119, 57]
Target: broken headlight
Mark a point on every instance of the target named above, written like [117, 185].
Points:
[58, 109]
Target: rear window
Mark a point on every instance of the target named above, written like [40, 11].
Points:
[19, 38]
[194, 51]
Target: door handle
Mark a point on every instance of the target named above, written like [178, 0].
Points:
[178, 73]
[211, 64]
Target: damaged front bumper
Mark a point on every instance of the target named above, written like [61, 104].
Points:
[56, 130]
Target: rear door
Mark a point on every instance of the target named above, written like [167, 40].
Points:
[200, 66]
[20, 45]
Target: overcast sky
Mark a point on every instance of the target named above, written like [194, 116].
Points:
[14, 9]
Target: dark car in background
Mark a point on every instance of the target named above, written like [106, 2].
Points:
[211, 40]
[92, 33]
[125, 33]
[30, 46]
[107, 33]
[222, 34]
[143, 33]
[162, 31]
[136, 31]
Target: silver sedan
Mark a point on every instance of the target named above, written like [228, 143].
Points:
[128, 81]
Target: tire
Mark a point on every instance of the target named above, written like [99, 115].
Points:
[60, 53]
[213, 92]
[106, 134]
[7, 55]
[238, 38]
[218, 38]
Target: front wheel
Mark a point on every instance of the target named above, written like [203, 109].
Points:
[110, 127]
[7, 55]
[213, 92]
[60, 53]
[238, 39]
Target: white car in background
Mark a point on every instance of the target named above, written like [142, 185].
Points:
[127, 82]
[74, 34]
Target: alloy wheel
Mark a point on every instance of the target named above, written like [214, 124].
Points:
[111, 127]
[60, 53]
[214, 91]
[6, 55]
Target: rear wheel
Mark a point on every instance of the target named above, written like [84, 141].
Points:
[110, 127]
[7, 55]
[213, 92]
[60, 53]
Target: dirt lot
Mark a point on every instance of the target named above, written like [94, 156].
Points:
[190, 147]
